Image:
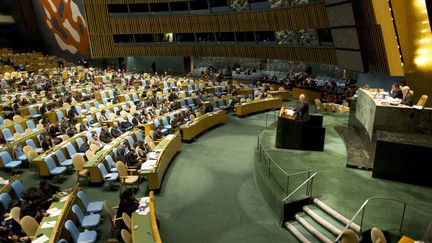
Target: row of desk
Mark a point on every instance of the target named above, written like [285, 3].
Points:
[246, 108]
[193, 128]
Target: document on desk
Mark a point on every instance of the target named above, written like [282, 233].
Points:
[54, 212]
[149, 164]
[152, 155]
[289, 112]
[63, 199]
[48, 224]
[41, 239]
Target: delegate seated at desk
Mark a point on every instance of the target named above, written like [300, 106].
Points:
[302, 109]
[407, 96]
[396, 92]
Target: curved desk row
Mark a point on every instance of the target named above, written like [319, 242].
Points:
[52, 226]
[99, 157]
[257, 106]
[166, 150]
[147, 228]
[192, 129]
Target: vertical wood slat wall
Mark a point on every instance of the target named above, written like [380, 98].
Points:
[102, 27]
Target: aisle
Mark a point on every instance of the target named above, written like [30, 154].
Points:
[209, 193]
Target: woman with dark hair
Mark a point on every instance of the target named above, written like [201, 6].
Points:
[128, 204]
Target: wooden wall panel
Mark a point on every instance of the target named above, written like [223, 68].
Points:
[102, 27]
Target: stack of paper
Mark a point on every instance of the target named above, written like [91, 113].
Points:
[149, 164]
[49, 224]
[152, 155]
[54, 212]
[289, 112]
[158, 150]
[41, 239]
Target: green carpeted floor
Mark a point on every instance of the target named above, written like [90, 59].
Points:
[209, 192]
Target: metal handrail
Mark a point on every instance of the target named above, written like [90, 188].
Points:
[274, 119]
[300, 186]
[363, 207]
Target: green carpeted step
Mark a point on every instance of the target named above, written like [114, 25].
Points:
[328, 218]
[316, 226]
[296, 226]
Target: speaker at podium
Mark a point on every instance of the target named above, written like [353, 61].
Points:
[297, 134]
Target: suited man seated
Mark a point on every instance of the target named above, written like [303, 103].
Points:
[407, 97]
[396, 92]
[302, 109]
[115, 130]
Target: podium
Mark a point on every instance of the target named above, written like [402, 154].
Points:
[301, 135]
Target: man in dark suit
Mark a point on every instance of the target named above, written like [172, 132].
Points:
[84, 125]
[43, 109]
[115, 130]
[396, 92]
[407, 96]
[302, 109]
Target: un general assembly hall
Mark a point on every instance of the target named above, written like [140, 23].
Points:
[216, 121]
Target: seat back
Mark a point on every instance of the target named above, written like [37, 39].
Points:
[139, 136]
[29, 225]
[377, 235]
[121, 168]
[60, 156]
[349, 236]
[126, 220]
[165, 121]
[50, 163]
[32, 111]
[7, 133]
[71, 150]
[78, 161]
[30, 124]
[422, 100]
[83, 198]
[78, 213]
[16, 214]
[18, 188]
[79, 142]
[89, 154]
[5, 200]
[126, 236]
[130, 141]
[102, 170]
[6, 158]
[72, 229]
[59, 115]
[156, 123]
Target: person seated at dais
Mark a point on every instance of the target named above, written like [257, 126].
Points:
[396, 92]
[302, 109]
[407, 96]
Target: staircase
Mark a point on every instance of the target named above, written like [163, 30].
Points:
[318, 223]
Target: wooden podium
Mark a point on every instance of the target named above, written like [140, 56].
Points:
[301, 135]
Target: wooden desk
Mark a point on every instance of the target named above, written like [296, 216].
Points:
[54, 233]
[246, 92]
[7, 187]
[257, 106]
[9, 146]
[284, 95]
[169, 147]
[147, 230]
[40, 160]
[310, 94]
[202, 123]
[99, 157]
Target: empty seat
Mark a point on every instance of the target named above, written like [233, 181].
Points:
[110, 178]
[7, 135]
[62, 159]
[86, 221]
[8, 162]
[33, 113]
[30, 125]
[71, 150]
[18, 189]
[53, 168]
[80, 237]
[31, 143]
[5, 200]
[90, 207]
